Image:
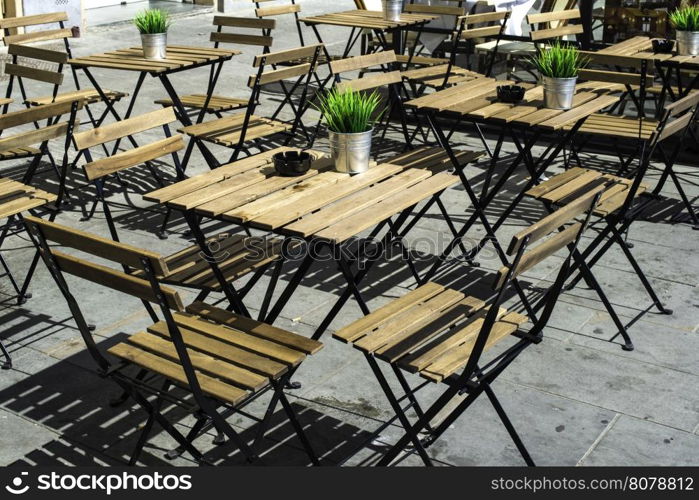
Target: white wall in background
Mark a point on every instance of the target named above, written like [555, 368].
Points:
[72, 7]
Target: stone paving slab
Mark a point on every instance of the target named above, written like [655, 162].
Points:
[576, 398]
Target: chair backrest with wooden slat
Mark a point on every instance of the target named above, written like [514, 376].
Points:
[144, 286]
[367, 80]
[559, 230]
[12, 24]
[471, 28]
[437, 10]
[31, 67]
[555, 25]
[287, 59]
[240, 36]
[100, 168]
[265, 9]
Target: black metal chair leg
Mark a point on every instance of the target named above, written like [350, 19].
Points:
[508, 425]
[291, 414]
[7, 364]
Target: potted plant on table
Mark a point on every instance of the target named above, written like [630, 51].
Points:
[392, 9]
[153, 25]
[559, 65]
[350, 117]
[685, 20]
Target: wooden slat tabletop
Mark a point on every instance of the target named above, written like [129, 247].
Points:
[131, 59]
[16, 197]
[477, 99]
[322, 203]
[367, 19]
[641, 47]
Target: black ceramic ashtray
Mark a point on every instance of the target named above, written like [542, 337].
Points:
[510, 93]
[663, 46]
[292, 163]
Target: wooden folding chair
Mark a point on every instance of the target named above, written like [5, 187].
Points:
[557, 25]
[441, 334]
[236, 130]
[39, 32]
[224, 361]
[217, 104]
[623, 202]
[21, 133]
[98, 170]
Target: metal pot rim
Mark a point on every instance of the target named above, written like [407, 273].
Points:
[352, 133]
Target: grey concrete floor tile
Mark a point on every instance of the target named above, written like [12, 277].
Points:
[19, 436]
[610, 381]
[637, 442]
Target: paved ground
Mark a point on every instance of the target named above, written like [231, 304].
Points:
[577, 397]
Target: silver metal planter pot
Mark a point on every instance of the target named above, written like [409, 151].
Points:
[559, 92]
[392, 9]
[351, 152]
[687, 43]
[154, 45]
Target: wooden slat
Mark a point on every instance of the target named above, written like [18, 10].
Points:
[256, 328]
[613, 59]
[570, 29]
[209, 385]
[579, 112]
[555, 15]
[106, 166]
[277, 10]
[370, 322]
[409, 321]
[292, 210]
[93, 244]
[244, 22]
[276, 75]
[33, 137]
[677, 107]
[354, 203]
[117, 280]
[541, 252]
[37, 53]
[261, 40]
[483, 32]
[362, 62]
[353, 225]
[573, 185]
[25, 116]
[33, 20]
[554, 220]
[222, 349]
[283, 56]
[614, 77]
[117, 130]
[675, 126]
[204, 362]
[371, 81]
[264, 347]
[38, 36]
[41, 75]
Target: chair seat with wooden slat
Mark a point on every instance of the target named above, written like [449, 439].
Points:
[561, 189]
[234, 356]
[88, 96]
[17, 153]
[430, 331]
[433, 158]
[217, 103]
[618, 126]
[416, 60]
[227, 131]
[239, 255]
[434, 76]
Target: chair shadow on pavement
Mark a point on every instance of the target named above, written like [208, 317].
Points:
[70, 399]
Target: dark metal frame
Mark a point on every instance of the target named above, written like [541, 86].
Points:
[474, 379]
[206, 408]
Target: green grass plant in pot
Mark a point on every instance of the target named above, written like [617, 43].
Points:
[559, 65]
[685, 20]
[153, 25]
[350, 117]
